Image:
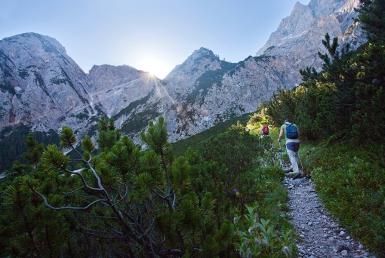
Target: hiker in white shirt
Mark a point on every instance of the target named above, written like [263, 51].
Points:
[292, 143]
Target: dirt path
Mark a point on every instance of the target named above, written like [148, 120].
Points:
[320, 235]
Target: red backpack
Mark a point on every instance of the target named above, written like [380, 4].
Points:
[265, 129]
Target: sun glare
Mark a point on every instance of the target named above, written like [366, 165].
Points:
[155, 68]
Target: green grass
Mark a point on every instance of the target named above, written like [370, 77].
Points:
[194, 141]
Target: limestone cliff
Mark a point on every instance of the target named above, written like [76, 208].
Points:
[305, 21]
[115, 87]
[41, 86]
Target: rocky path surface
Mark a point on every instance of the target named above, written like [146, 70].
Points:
[320, 236]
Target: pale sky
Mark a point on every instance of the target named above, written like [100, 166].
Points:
[150, 35]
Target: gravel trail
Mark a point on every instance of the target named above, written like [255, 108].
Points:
[320, 236]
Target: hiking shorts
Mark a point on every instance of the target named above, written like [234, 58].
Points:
[293, 146]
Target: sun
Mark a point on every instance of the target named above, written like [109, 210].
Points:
[155, 67]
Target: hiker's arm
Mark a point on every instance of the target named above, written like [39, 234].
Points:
[280, 135]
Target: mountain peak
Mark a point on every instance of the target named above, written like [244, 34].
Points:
[305, 20]
[31, 38]
[297, 6]
[204, 53]
[203, 58]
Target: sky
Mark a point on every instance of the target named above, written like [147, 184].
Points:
[149, 35]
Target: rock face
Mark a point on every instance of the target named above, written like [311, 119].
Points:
[115, 87]
[41, 86]
[311, 21]
[204, 90]
[44, 88]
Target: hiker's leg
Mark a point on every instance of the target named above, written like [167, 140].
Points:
[293, 160]
[292, 149]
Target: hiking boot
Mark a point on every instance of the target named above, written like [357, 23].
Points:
[293, 174]
[297, 175]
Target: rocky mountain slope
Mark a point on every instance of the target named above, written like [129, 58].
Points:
[299, 36]
[114, 87]
[311, 22]
[43, 88]
[205, 90]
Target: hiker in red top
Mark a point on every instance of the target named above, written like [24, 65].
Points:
[265, 130]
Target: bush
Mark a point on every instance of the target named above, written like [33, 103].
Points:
[260, 237]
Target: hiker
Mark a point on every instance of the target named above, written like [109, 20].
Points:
[265, 130]
[291, 133]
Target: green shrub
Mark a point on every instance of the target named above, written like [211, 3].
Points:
[260, 237]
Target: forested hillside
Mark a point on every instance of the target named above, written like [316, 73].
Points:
[345, 100]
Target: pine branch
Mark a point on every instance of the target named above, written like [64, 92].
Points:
[66, 207]
[83, 180]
